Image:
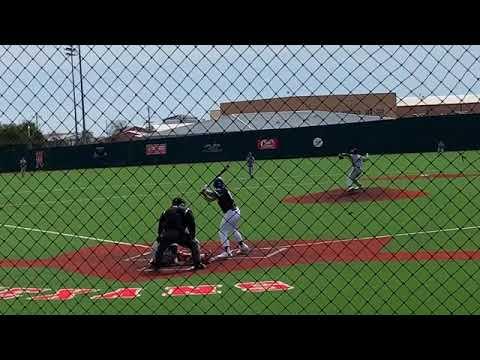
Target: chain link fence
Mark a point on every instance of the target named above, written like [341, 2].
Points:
[239, 179]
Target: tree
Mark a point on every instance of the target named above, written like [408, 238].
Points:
[26, 133]
[88, 137]
[116, 127]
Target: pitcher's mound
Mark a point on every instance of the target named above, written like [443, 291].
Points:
[367, 194]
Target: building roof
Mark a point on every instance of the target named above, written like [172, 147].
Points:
[264, 121]
[438, 100]
[169, 127]
[54, 136]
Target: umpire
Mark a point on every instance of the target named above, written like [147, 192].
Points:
[177, 226]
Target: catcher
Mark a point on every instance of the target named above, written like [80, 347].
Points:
[176, 227]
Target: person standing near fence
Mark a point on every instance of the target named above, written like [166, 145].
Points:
[250, 164]
[440, 147]
[23, 166]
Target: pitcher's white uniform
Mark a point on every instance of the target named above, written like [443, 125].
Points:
[356, 170]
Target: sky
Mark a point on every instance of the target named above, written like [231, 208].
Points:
[121, 82]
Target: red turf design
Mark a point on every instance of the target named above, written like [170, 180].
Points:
[108, 260]
[367, 194]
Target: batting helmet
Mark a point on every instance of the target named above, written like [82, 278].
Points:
[354, 151]
[218, 184]
[178, 201]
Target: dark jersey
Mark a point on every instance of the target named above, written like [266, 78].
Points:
[177, 218]
[225, 200]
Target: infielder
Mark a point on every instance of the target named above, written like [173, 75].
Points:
[230, 220]
[250, 163]
[356, 170]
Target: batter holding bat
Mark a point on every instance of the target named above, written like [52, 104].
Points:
[231, 216]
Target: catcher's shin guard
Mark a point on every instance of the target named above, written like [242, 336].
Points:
[195, 248]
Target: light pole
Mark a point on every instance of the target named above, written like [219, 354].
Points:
[70, 51]
[149, 122]
[81, 92]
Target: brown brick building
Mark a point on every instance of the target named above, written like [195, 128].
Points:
[438, 109]
[381, 104]
[363, 104]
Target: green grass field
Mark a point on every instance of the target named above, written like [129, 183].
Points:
[123, 204]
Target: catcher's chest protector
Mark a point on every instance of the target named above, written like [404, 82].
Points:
[175, 218]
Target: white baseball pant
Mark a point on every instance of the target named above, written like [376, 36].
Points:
[229, 224]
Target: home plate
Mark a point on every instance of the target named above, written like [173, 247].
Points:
[235, 253]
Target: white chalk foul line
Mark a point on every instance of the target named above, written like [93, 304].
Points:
[284, 247]
[280, 249]
[437, 231]
[72, 235]
[276, 252]
[132, 258]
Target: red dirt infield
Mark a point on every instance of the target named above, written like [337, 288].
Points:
[110, 261]
[366, 194]
[424, 176]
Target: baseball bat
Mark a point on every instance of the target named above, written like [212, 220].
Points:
[218, 175]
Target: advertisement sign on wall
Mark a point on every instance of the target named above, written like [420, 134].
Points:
[39, 156]
[99, 152]
[212, 148]
[318, 142]
[268, 144]
[156, 149]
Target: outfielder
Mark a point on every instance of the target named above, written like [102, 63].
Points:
[356, 170]
[440, 147]
[250, 163]
[23, 166]
[230, 220]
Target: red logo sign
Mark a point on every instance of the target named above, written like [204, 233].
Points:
[39, 159]
[186, 290]
[263, 286]
[14, 293]
[268, 144]
[122, 293]
[156, 149]
[62, 294]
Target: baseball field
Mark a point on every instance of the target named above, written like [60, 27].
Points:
[77, 242]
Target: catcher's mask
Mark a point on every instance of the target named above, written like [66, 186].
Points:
[178, 202]
[170, 255]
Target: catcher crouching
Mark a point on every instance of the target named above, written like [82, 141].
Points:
[176, 227]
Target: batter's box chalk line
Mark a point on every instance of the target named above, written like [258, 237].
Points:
[236, 252]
